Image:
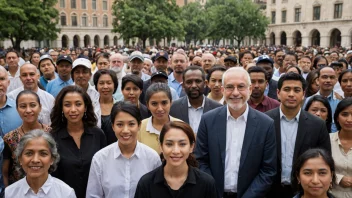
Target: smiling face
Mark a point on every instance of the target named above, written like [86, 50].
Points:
[126, 129]
[28, 108]
[36, 159]
[29, 77]
[315, 177]
[105, 85]
[176, 147]
[73, 107]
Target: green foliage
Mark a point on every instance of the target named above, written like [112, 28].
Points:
[153, 19]
[23, 20]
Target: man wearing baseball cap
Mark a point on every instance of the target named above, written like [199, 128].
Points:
[81, 74]
[64, 67]
[136, 61]
[47, 70]
[160, 61]
[267, 64]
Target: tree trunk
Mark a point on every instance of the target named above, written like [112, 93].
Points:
[144, 41]
[17, 45]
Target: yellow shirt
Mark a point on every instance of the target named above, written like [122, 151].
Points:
[149, 136]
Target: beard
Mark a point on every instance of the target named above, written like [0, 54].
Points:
[117, 70]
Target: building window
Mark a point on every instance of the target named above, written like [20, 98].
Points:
[283, 16]
[62, 3]
[63, 19]
[316, 13]
[273, 16]
[84, 4]
[94, 4]
[74, 20]
[95, 21]
[105, 21]
[185, 2]
[297, 14]
[273, 1]
[105, 5]
[73, 4]
[338, 11]
[84, 20]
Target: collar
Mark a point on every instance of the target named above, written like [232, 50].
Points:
[150, 127]
[9, 102]
[265, 101]
[61, 81]
[159, 175]
[63, 133]
[244, 116]
[171, 77]
[282, 115]
[332, 95]
[335, 137]
[17, 74]
[137, 151]
[190, 106]
[45, 188]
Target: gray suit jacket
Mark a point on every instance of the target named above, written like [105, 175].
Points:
[179, 108]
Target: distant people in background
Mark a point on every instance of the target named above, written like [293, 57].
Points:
[38, 148]
[279, 58]
[312, 84]
[338, 68]
[54, 55]
[47, 70]
[230, 61]
[345, 80]
[34, 59]
[116, 169]
[179, 63]
[319, 62]
[102, 62]
[245, 58]
[75, 131]
[12, 65]
[197, 61]
[214, 82]
[294, 69]
[179, 177]
[267, 64]
[73, 55]
[64, 68]
[191, 107]
[147, 65]
[116, 65]
[305, 63]
[341, 149]
[105, 82]
[136, 60]
[313, 174]
[344, 63]
[161, 77]
[319, 106]
[28, 107]
[289, 59]
[208, 61]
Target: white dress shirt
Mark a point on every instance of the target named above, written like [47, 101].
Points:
[235, 130]
[114, 176]
[52, 188]
[194, 115]
[15, 81]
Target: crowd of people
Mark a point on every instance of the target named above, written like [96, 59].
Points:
[251, 122]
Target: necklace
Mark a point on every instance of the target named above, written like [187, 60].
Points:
[23, 132]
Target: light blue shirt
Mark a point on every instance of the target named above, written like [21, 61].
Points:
[145, 77]
[44, 82]
[174, 84]
[1, 160]
[55, 86]
[333, 101]
[9, 118]
[288, 140]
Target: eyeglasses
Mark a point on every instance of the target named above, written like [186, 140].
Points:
[321, 65]
[231, 88]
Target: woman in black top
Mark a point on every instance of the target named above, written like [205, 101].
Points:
[178, 176]
[106, 84]
[74, 130]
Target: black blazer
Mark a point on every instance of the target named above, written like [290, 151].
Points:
[272, 93]
[311, 133]
[258, 158]
[179, 108]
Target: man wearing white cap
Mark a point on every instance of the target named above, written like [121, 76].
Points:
[136, 63]
[81, 74]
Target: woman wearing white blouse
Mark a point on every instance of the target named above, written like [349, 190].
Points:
[37, 155]
[341, 148]
[117, 168]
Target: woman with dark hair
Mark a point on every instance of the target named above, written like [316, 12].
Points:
[341, 148]
[28, 107]
[344, 63]
[294, 69]
[74, 130]
[313, 174]
[131, 88]
[312, 85]
[106, 84]
[319, 62]
[116, 169]
[345, 80]
[319, 106]
[38, 157]
[35, 58]
[214, 81]
[158, 98]
[178, 176]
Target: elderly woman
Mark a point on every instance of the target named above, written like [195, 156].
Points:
[37, 155]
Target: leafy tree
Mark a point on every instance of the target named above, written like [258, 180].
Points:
[195, 22]
[236, 19]
[153, 19]
[23, 20]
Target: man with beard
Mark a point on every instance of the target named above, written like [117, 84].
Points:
[305, 63]
[136, 63]
[179, 63]
[116, 65]
[47, 70]
[235, 143]
[208, 61]
[29, 77]
[267, 64]
[191, 107]
[278, 61]
[258, 100]
[327, 79]
[64, 67]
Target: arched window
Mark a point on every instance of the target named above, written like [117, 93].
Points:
[105, 21]
[84, 20]
[63, 19]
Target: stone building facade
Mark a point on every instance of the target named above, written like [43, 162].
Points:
[326, 23]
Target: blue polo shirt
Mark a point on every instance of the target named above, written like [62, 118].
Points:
[9, 118]
[44, 82]
[55, 86]
[174, 84]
